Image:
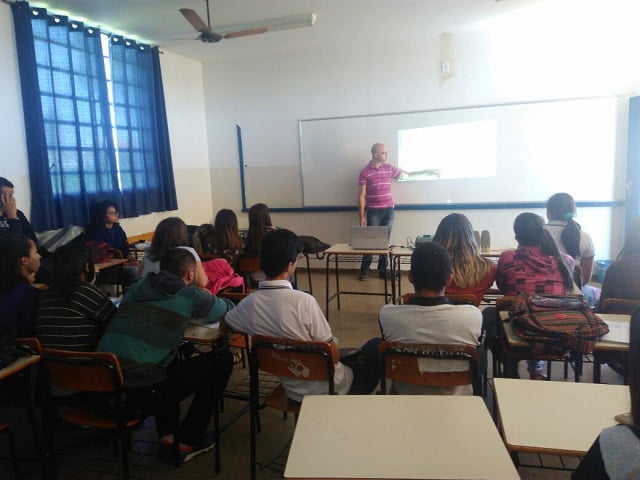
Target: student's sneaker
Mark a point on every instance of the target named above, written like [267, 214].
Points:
[363, 276]
[206, 444]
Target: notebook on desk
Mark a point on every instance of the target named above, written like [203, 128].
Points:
[369, 238]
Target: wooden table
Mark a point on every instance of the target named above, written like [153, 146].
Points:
[344, 252]
[558, 418]
[397, 437]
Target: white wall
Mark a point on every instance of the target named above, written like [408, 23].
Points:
[542, 52]
[386, 62]
[187, 130]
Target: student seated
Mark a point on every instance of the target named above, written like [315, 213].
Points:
[170, 232]
[622, 279]
[428, 317]
[616, 452]
[472, 273]
[572, 240]
[259, 224]
[277, 310]
[72, 311]
[202, 241]
[19, 263]
[227, 243]
[145, 334]
[536, 267]
[13, 220]
[105, 229]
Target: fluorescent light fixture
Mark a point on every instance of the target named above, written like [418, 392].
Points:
[282, 23]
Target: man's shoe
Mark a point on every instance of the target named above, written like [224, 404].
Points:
[383, 274]
[363, 276]
[206, 444]
[537, 376]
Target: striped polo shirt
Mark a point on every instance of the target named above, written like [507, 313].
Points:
[76, 324]
[378, 182]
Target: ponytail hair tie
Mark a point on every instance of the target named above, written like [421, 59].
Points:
[569, 216]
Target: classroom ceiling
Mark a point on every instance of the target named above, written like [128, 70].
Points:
[159, 22]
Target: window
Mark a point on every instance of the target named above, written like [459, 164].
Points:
[95, 120]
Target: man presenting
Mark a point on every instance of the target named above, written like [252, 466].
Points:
[375, 198]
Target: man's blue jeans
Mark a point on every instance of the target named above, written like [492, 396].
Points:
[377, 217]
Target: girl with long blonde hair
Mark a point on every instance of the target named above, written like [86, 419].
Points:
[472, 273]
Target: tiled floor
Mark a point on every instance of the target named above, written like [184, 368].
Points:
[84, 454]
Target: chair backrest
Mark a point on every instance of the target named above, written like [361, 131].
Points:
[82, 371]
[249, 263]
[297, 359]
[618, 305]
[233, 296]
[400, 362]
[456, 298]
[32, 342]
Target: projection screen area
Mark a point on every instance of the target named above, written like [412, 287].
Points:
[495, 154]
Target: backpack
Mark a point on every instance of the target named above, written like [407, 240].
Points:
[313, 244]
[554, 325]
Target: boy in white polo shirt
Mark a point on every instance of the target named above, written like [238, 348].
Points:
[277, 310]
[428, 317]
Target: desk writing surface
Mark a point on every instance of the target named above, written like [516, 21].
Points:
[397, 437]
[110, 263]
[618, 329]
[346, 249]
[557, 417]
[616, 339]
[199, 333]
[402, 251]
[19, 365]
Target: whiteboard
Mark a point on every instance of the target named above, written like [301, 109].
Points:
[540, 148]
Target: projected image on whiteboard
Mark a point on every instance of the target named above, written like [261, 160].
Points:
[459, 150]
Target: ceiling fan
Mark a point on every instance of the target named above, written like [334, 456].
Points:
[207, 35]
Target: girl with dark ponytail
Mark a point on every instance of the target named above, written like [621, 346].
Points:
[536, 267]
[567, 234]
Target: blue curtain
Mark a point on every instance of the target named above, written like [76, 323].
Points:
[66, 108]
[144, 156]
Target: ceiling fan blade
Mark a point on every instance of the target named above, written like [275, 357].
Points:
[244, 33]
[194, 19]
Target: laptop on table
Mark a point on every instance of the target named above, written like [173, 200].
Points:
[369, 238]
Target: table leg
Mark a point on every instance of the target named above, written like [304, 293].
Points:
[337, 282]
[386, 287]
[306, 255]
[399, 270]
[577, 365]
[326, 298]
[392, 264]
[597, 363]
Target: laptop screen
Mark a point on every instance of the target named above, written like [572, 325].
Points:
[370, 238]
